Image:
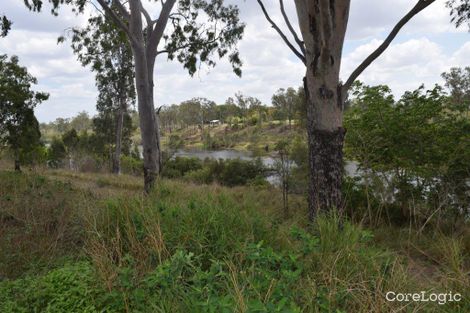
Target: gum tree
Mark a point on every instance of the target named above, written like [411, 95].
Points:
[323, 25]
[103, 47]
[190, 31]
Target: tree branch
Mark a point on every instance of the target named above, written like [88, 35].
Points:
[122, 10]
[120, 23]
[292, 30]
[421, 5]
[299, 54]
[147, 16]
[160, 26]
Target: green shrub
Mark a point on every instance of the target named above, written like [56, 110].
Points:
[131, 165]
[234, 172]
[200, 176]
[175, 142]
[179, 166]
[72, 288]
[238, 172]
[420, 143]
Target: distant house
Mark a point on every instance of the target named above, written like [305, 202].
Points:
[215, 122]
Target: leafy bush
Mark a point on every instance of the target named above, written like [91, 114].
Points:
[179, 166]
[233, 172]
[56, 153]
[72, 288]
[175, 142]
[238, 172]
[200, 176]
[131, 165]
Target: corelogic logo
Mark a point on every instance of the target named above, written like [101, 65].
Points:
[423, 296]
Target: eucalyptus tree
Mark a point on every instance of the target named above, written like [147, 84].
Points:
[244, 103]
[189, 112]
[457, 81]
[285, 100]
[191, 31]
[323, 25]
[19, 128]
[169, 117]
[104, 47]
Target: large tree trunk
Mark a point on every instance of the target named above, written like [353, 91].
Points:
[325, 142]
[119, 129]
[323, 25]
[144, 52]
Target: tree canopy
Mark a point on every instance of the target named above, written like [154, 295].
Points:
[19, 129]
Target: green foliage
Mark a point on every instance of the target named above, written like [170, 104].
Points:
[200, 176]
[105, 49]
[5, 26]
[192, 42]
[189, 248]
[70, 140]
[56, 153]
[131, 165]
[420, 144]
[239, 172]
[230, 173]
[179, 166]
[71, 288]
[289, 104]
[175, 142]
[19, 128]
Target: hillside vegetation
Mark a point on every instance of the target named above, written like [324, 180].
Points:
[259, 138]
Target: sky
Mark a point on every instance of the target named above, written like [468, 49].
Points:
[426, 47]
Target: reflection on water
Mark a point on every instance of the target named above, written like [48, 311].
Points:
[222, 154]
[350, 167]
[227, 154]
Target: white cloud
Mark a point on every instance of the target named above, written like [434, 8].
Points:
[417, 56]
[405, 66]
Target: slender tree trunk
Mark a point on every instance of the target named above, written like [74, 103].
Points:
[17, 161]
[119, 131]
[285, 186]
[148, 122]
[70, 162]
[160, 155]
[323, 26]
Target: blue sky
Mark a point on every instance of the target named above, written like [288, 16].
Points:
[426, 47]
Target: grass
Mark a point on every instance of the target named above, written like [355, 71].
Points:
[92, 243]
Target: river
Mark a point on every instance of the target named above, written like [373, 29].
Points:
[227, 154]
